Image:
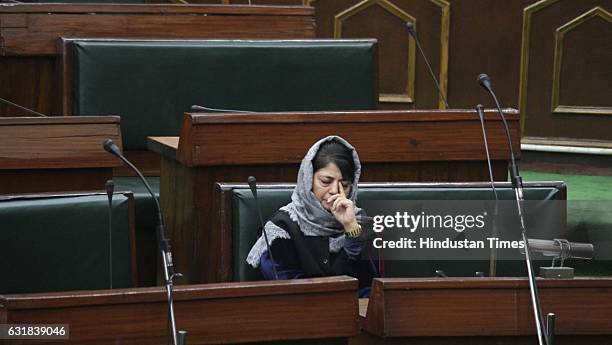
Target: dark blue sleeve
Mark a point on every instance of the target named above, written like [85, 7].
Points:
[353, 246]
[285, 257]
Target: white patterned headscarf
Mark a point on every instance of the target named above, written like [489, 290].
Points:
[306, 209]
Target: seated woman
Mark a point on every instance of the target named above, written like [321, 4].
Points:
[317, 234]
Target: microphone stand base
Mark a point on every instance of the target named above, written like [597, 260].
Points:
[556, 272]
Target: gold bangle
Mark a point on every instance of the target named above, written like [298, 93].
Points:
[355, 231]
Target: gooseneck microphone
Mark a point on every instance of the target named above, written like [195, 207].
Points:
[493, 254]
[28, 110]
[253, 185]
[517, 181]
[413, 33]
[164, 243]
[480, 111]
[110, 188]
[517, 185]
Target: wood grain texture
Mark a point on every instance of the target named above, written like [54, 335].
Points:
[147, 162]
[467, 41]
[402, 307]
[29, 34]
[55, 154]
[378, 136]
[45, 23]
[212, 314]
[42, 143]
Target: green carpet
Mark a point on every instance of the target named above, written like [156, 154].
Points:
[589, 217]
[579, 187]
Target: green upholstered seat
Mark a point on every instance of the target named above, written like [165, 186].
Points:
[244, 221]
[61, 243]
[150, 84]
[146, 221]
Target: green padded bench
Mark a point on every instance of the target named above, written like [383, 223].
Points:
[146, 221]
[60, 242]
[151, 83]
[239, 223]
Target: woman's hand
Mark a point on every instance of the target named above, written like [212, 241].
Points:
[343, 208]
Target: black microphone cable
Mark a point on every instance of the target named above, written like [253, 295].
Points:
[493, 255]
[544, 333]
[196, 107]
[164, 243]
[253, 185]
[110, 188]
[412, 31]
[2, 100]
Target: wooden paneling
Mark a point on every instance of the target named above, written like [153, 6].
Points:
[316, 309]
[565, 70]
[57, 142]
[460, 38]
[401, 307]
[49, 154]
[409, 136]
[394, 146]
[29, 34]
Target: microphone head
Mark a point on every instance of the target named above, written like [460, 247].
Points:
[484, 81]
[253, 185]
[110, 146]
[410, 27]
[480, 110]
[110, 188]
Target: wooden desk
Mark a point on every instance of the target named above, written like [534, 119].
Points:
[49, 154]
[29, 34]
[484, 311]
[401, 146]
[323, 310]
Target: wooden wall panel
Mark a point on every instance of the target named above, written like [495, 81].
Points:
[404, 80]
[460, 38]
[566, 78]
[29, 34]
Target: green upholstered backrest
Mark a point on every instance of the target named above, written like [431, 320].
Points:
[150, 84]
[61, 243]
[245, 222]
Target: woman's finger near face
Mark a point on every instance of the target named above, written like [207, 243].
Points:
[341, 189]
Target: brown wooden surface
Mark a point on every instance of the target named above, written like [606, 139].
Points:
[56, 153]
[60, 142]
[378, 136]
[584, 75]
[421, 307]
[494, 50]
[512, 41]
[30, 74]
[222, 213]
[394, 147]
[212, 314]
[31, 30]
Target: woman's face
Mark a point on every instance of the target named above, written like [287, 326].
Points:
[325, 183]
